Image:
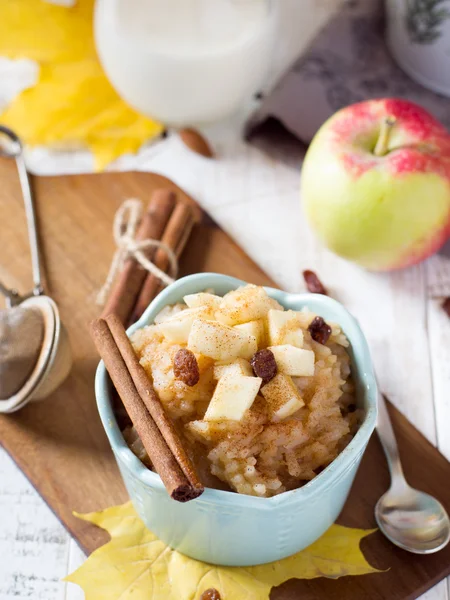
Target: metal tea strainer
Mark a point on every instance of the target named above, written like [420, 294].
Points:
[35, 354]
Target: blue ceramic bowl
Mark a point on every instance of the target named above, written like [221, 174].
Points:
[233, 529]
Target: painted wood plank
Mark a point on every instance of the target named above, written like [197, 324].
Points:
[438, 287]
[438, 284]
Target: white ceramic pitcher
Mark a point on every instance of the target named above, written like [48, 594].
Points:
[185, 62]
[418, 35]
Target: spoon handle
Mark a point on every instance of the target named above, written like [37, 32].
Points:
[388, 441]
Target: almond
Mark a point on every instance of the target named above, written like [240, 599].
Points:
[196, 142]
[446, 305]
[211, 594]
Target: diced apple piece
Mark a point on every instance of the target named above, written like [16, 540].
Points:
[234, 394]
[168, 311]
[282, 397]
[245, 304]
[199, 428]
[275, 304]
[220, 341]
[293, 361]
[203, 299]
[294, 338]
[284, 328]
[255, 328]
[239, 367]
[177, 327]
[204, 363]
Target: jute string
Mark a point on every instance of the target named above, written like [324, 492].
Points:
[125, 226]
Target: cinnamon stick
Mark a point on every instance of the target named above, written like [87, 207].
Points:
[175, 481]
[152, 402]
[175, 236]
[125, 292]
[154, 284]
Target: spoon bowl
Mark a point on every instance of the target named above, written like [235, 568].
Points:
[413, 520]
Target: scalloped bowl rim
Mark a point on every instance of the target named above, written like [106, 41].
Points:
[334, 470]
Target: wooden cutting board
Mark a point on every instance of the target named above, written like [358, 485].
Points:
[60, 445]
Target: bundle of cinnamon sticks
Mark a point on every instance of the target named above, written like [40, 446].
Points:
[157, 433]
[168, 220]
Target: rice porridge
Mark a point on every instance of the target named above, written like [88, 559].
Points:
[262, 396]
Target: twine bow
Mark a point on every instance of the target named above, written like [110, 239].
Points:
[124, 232]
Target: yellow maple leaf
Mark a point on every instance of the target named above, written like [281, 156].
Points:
[73, 104]
[136, 565]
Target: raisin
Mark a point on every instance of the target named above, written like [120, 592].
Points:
[264, 365]
[446, 305]
[211, 594]
[319, 330]
[313, 283]
[346, 410]
[185, 367]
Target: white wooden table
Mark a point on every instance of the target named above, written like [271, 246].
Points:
[400, 313]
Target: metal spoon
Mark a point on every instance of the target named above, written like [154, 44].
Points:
[410, 519]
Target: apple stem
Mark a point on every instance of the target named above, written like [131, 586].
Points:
[383, 139]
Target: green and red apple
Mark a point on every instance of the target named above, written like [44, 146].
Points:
[376, 184]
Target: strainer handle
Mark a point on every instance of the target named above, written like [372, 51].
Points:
[31, 224]
[12, 296]
[16, 152]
